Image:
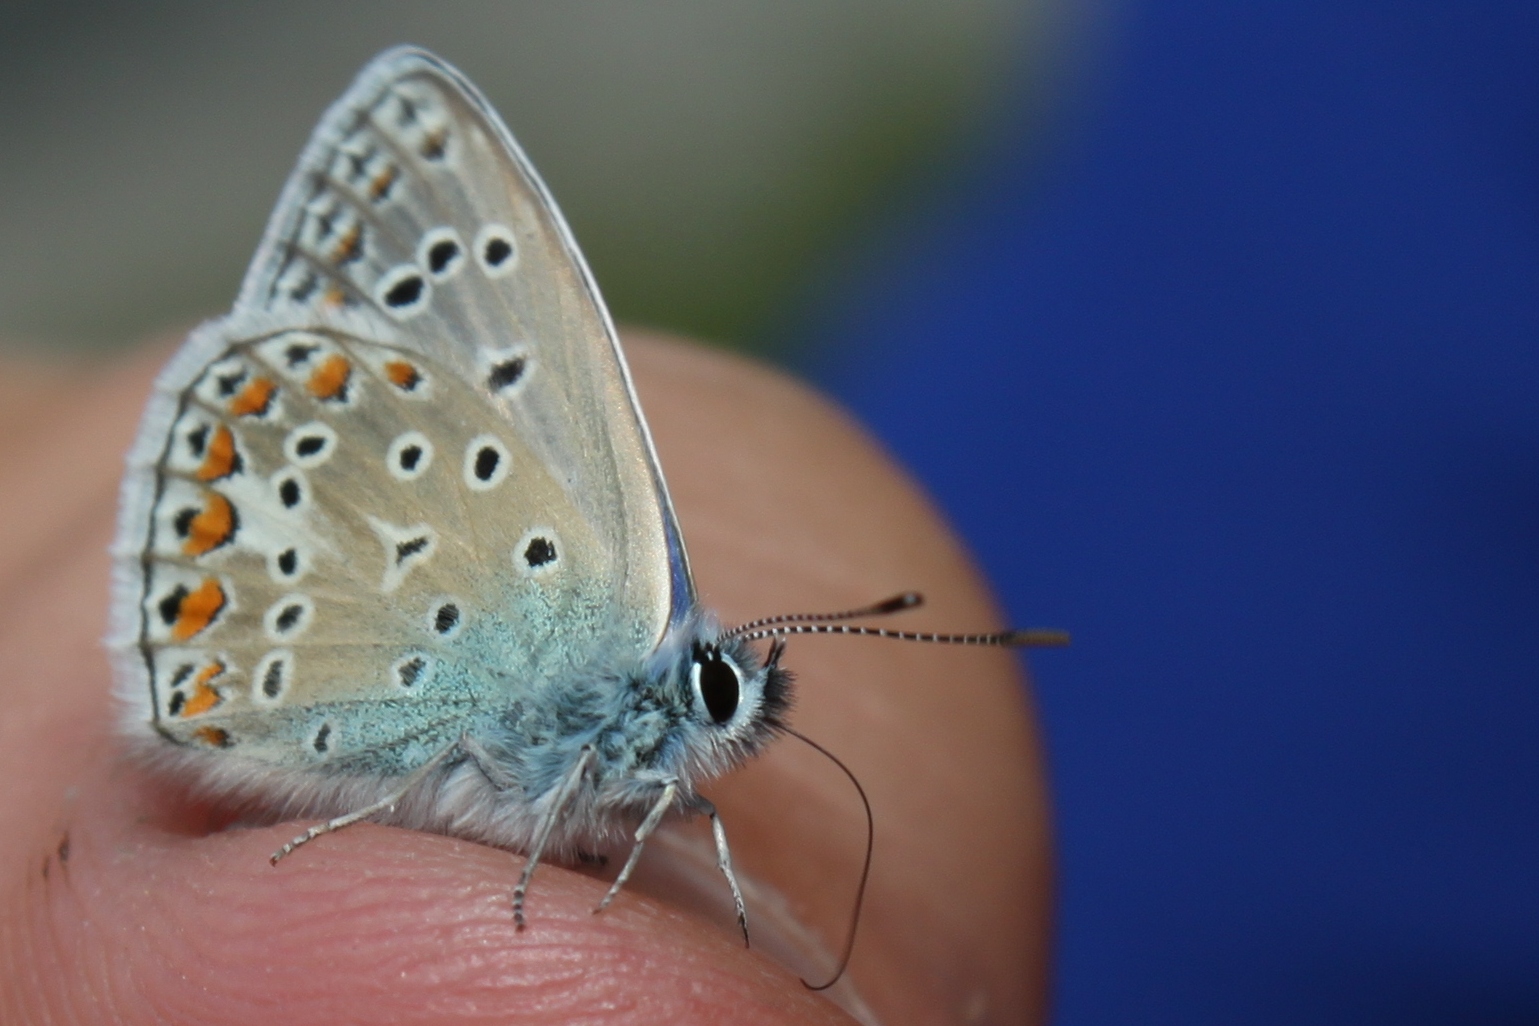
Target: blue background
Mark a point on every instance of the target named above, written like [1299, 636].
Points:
[1239, 384]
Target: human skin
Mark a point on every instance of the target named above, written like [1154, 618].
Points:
[123, 898]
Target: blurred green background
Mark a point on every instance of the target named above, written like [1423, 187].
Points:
[716, 159]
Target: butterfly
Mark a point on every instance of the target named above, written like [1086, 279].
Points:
[394, 543]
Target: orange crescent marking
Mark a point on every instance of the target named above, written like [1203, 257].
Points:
[220, 458]
[402, 375]
[349, 246]
[334, 296]
[198, 610]
[211, 528]
[433, 144]
[215, 736]
[330, 378]
[203, 696]
[382, 183]
[255, 399]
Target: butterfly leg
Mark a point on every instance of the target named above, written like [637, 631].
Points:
[654, 817]
[564, 792]
[387, 802]
[724, 861]
[501, 779]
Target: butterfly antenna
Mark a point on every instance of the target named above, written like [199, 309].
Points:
[896, 604]
[865, 869]
[1036, 638]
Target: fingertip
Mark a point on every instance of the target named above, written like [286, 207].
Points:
[370, 924]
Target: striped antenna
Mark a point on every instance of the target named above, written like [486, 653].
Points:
[1036, 638]
[896, 604]
[826, 623]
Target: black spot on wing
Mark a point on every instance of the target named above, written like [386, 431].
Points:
[404, 293]
[506, 374]
[441, 254]
[539, 552]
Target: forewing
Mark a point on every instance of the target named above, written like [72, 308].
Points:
[285, 582]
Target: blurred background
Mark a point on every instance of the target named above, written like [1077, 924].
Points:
[1212, 326]
[712, 157]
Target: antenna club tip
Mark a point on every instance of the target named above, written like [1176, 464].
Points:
[1038, 638]
[907, 600]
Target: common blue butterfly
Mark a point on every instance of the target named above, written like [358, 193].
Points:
[393, 540]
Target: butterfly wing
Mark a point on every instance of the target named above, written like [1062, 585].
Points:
[406, 482]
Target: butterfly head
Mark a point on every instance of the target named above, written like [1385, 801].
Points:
[727, 700]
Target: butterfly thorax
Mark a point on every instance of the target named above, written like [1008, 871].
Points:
[697, 707]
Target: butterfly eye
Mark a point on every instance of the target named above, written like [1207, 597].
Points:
[716, 682]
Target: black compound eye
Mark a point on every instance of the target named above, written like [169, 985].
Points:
[717, 682]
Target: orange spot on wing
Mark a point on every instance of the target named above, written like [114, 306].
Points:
[215, 736]
[220, 459]
[329, 380]
[210, 528]
[403, 375]
[433, 144]
[382, 182]
[350, 246]
[255, 399]
[198, 609]
[204, 697]
[334, 296]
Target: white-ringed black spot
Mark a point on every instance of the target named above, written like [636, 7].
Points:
[403, 291]
[496, 251]
[411, 670]
[298, 354]
[409, 456]
[289, 617]
[289, 486]
[287, 565]
[182, 673]
[178, 700]
[322, 740]
[446, 619]
[183, 521]
[170, 605]
[486, 463]
[310, 445]
[404, 550]
[487, 459]
[539, 552]
[506, 373]
[274, 674]
[229, 384]
[197, 441]
[442, 253]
